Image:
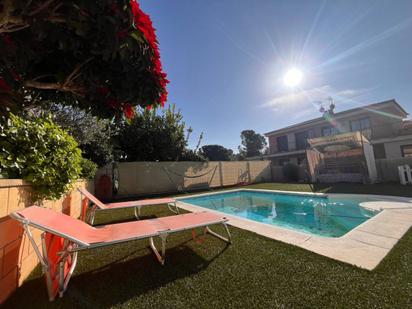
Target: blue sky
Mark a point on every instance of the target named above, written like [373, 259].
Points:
[226, 59]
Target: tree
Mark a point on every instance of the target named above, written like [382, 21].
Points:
[153, 136]
[252, 143]
[99, 55]
[216, 153]
[94, 135]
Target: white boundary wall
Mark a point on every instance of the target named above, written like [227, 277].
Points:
[138, 178]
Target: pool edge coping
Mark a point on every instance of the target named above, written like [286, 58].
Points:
[365, 246]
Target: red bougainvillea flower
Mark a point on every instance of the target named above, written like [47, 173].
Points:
[143, 23]
[129, 111]
[3, 85]
[163, 98]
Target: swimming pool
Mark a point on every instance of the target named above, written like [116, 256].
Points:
[322, 215]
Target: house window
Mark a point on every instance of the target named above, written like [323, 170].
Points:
[302, 140]
[282, 142]
[327, 131]
[360, 124]
[406, 151]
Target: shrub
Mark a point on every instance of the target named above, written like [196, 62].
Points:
[89, 169]
[291, 172]
[41, 153]
[154, 135]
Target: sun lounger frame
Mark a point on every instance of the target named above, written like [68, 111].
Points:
[72, 246]
[172, 206]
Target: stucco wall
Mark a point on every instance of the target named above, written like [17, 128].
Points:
[388, 168]
[17, 257]
[393, 149]
[140, 178]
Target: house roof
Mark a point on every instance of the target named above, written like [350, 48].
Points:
[344, 113]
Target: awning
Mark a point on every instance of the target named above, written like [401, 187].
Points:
[338, 142]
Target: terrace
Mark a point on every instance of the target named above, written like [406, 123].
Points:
[253, 271]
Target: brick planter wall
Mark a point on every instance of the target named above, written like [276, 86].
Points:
[17, 257]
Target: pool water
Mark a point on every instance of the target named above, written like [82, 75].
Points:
[319, 215]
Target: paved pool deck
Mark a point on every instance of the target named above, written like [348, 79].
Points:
[365, 246]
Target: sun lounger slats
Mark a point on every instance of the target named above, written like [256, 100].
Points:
[64, 236]
[130, 230]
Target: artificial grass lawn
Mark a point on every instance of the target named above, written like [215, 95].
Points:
[252, 272]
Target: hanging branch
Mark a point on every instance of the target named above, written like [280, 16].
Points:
[10, 23]
[67, 86]
[41, 7]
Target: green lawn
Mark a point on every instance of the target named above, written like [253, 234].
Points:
[252, 272]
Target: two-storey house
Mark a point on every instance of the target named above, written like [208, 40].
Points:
[384, 124]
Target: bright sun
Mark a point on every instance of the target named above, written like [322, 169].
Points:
[293, 77]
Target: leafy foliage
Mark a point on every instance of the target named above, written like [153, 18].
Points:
[89, 169]
[191, 155]
[154, 136]
[252, 143]
[100, 55]
[291, 172]
[216, 153]
[40, 152]
[94, 135]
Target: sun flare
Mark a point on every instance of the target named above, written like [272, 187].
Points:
[293, 77]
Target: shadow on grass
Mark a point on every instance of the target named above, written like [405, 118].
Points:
[133, 278]
[110, 284]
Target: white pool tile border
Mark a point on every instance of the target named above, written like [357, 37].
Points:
[365, 246]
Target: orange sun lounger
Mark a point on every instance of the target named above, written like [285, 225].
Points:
[137, 205]
[63, 237]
